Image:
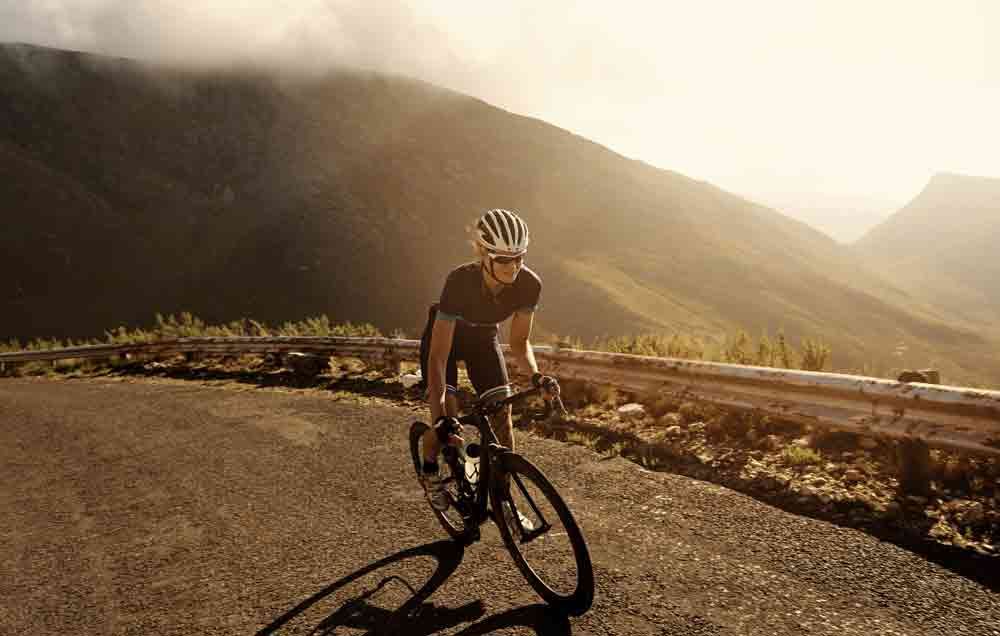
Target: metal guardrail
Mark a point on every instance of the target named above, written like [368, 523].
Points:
[953, 418]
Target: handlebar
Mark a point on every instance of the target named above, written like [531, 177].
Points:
[492, 407]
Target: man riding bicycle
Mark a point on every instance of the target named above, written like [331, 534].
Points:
[465, 325]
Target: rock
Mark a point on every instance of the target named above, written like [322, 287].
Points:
[410, 380]
[688, 411]
[697, 427]
[632, 410]
[968, 512]
[893, 509]
[752, 436]
[673, 431]
[771, 443]
[853, 475]
[671, 419]
[715, 428]
[801, 442]
[916, 500]
[306, 364]
[931, 376]
[940, 530]
[868, 443]
[911, 376]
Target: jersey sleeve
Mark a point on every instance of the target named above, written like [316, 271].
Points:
[449, 308]
[529, 299]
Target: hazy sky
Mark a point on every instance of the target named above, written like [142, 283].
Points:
[849, 104]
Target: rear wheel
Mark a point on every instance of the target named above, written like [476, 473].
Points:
[551, 554]
[457, 519]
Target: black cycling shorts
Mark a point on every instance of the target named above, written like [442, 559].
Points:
[478, 346]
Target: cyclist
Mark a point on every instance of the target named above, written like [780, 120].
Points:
[465, 325]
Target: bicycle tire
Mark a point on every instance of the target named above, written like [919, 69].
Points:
[575, 600]
[457, 523]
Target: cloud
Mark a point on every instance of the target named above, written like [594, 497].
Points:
[758, 97]
[306, 35]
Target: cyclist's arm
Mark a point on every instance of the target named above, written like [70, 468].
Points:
[520, 347]
[441, 338]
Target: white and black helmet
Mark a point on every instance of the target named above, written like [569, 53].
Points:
[502, 231]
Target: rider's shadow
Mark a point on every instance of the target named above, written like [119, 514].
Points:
[416, 617]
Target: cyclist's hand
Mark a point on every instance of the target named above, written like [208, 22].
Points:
[448, 430]
[548, 385]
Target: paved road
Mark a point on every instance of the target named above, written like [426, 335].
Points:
[165, 507]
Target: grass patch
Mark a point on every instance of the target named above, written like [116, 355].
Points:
[800, 456]
[186, 325]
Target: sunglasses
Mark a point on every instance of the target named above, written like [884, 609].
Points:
[505, 260]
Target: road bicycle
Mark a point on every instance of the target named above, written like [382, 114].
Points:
[549, 550]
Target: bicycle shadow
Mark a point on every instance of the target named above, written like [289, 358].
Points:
[417, 616]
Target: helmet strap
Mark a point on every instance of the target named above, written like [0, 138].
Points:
[492, 274]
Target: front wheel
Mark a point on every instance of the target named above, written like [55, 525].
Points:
[549, 549]
[457, 519]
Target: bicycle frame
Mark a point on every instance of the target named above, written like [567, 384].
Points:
[479, 417]
[509, 483]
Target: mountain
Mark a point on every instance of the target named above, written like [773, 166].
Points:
[130, 188]
[944, 246]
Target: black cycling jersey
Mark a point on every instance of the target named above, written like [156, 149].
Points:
[477, 314]
[465, 297]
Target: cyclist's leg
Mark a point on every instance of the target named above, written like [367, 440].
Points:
[430, 441]
[488, 371]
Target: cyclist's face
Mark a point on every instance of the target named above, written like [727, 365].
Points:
[505, 267]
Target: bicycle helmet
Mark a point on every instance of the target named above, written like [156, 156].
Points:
[500, 230]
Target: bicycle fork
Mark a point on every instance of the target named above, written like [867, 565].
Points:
[496, 453]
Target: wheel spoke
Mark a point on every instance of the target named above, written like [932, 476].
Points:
[546, 542]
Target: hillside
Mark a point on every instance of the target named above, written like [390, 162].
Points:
[134, 189]
[943, 245]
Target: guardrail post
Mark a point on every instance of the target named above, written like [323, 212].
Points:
[914, 459]
[392, 362]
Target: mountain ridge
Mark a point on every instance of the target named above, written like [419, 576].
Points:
[247, 195]
[943, 245]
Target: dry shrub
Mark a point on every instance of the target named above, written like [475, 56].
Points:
[697, 412]
[735, 425]
[835, 441]
[772, 426]
[578, 393]
[689, 412]
[952, 472]
[800, 456]
[659, 405]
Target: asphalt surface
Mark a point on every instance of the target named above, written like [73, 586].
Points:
[167, 507]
